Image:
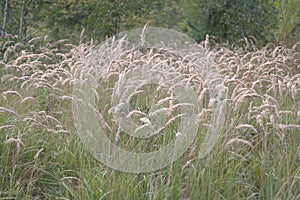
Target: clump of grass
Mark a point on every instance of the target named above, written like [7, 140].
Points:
[256, 157]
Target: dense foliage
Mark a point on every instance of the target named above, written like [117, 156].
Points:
[229, 20]
[268, 21]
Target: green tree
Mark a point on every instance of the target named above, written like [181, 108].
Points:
[15, 16]
[103, 18]
[10, 16]
[5, 13]
[230, 20]
[67, 18]
[165, 14]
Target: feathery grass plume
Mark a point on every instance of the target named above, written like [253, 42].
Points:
[246, 126]
[34, 122]
[238, 140]
[206, 42]
[11, 92]
[13, 140]
[288, 126]
[67, 97]
[285, 112]
[36, 156]
[6, 110]
[6, 126]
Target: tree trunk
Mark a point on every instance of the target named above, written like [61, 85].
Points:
[21, 20]
[4, 19]
[118, 25]
[118, 19]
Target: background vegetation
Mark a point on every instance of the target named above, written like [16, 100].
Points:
[268, 21]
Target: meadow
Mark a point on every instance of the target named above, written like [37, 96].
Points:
[257, 155]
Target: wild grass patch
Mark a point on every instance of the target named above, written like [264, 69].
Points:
[256, 157]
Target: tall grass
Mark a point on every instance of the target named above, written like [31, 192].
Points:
[257, 156]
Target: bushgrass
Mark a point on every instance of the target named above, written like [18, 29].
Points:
[256, 157]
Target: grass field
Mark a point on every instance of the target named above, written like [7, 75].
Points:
[256, 157]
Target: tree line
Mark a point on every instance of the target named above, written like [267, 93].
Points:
[226, 20]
